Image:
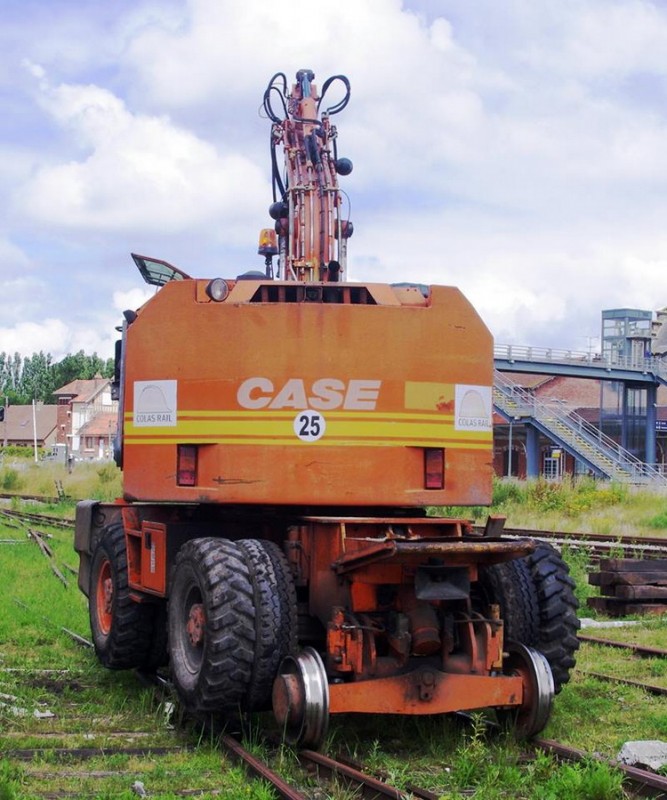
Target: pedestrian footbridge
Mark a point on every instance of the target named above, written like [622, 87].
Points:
[598, 452]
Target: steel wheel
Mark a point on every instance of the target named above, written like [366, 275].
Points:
[211, 626]
[301, 699]
[531, 717]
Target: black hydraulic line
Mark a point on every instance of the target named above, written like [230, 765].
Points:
[267, 97]
[338, 107]
[312, 148]
[308, 121]
[278, 187]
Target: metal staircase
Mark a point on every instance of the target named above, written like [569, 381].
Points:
[573, 433]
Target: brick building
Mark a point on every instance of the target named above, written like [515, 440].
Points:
[87, 418]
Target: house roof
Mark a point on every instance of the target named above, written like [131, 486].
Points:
[83, 391]
[101, 425]
[19, 427]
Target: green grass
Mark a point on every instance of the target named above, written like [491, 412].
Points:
[440, 753]
[86, 479]
[572, 505]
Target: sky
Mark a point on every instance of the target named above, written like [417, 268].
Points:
[515, 149]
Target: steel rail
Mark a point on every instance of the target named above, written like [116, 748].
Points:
[647, 687]
[603, 538]
[30, 753]
[642, 780]
[637, 649]
[371, 788]
[37, 498]
[75, 636]
[261, 770]
[45, 519]
[232, 746]
[584, 537]
[415, 791]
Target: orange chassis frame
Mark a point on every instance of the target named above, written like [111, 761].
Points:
[343, 563]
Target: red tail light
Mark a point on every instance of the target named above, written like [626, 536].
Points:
[186, 467]
[434, 468]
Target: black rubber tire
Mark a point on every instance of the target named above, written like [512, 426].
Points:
[510, 585]
[275, 616]
[558, 621]
[214, 675]
[121, 634]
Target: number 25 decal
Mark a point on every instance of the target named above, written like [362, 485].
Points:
[309, 426]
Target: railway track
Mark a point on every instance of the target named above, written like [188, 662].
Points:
[642, 783]
[34, 517]
[597, 544]
[356, 782]
[636, 649]
[351, 778]
[318, 775]
[341, 769]
[376, 786]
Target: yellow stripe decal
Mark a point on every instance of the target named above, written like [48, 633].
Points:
[343, 429]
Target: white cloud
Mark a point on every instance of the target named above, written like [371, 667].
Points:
[49, 336]
[132, 299]
[515, 149]
[137, 172]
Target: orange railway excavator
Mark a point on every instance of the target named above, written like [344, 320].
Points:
[280, 435]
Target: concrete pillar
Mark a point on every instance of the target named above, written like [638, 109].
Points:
[651, 418]
[532, 452]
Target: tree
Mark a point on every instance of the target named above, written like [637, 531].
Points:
[36, 377]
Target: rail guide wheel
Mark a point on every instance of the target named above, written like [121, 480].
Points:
[531, 717]
[301, 699]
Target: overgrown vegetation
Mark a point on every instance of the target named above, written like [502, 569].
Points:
[85, 480]
[453, 759]
[570, 497]
[582, 504]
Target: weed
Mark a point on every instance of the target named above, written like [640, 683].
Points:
[589, 780]
[86, 480]
[578, 561]
[658, 522]
[107, 473]
[10, 780]
[11, 480]
[507, 491]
